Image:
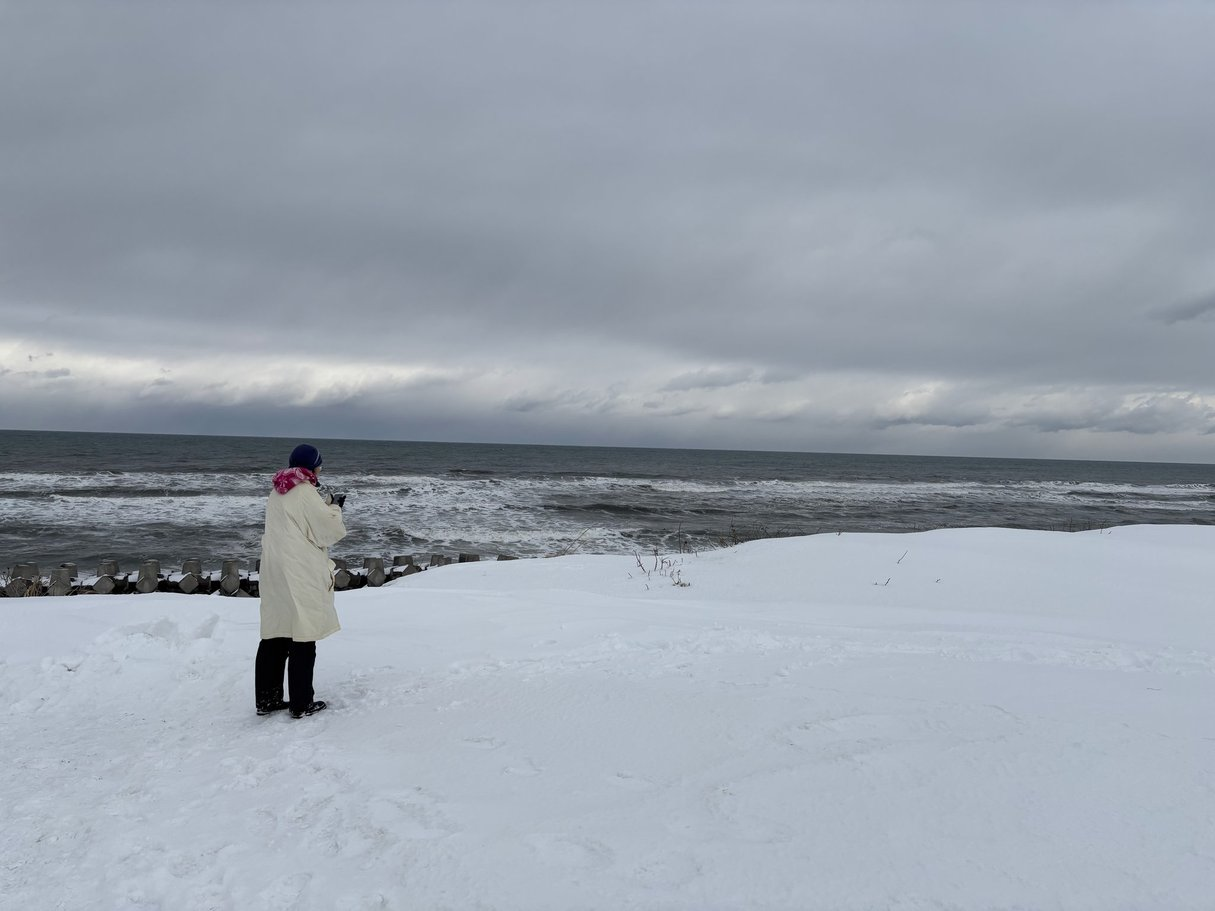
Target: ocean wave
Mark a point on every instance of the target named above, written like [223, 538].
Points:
[532, 511]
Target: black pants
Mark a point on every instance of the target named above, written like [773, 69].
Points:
[275, 655]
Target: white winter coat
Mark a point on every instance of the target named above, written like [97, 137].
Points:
[296, 572]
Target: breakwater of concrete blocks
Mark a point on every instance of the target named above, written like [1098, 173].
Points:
[233, 578]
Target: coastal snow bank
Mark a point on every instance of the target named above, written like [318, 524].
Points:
[975, 718]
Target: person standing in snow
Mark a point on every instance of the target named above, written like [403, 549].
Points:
[296, 584]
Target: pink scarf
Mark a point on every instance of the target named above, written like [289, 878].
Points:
[288, 478]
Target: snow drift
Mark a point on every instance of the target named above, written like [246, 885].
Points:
[966, 719]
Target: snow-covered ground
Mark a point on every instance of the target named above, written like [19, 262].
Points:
[962, 719]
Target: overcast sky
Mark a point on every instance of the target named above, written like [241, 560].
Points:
[970, 228]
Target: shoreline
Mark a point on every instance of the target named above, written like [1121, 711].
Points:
[239, 578]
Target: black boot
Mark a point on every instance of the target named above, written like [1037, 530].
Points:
[312, 709]
[270, 701]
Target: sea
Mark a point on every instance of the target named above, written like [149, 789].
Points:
[86, 497]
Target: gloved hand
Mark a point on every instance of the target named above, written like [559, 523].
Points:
[339, 499]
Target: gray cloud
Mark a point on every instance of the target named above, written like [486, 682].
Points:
[57, 373]
[575, 222]
[710, 378]
[1188, 310]
[581, 400]
[963, 418]
[1143, 415]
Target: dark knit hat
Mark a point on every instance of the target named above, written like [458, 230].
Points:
[305, 456]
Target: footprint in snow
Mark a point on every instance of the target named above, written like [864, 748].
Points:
[411, 815]
[285, 892]
[631, 782]
[568, 851]
[484, 743]
[674, 870]
[525, 769]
